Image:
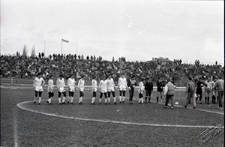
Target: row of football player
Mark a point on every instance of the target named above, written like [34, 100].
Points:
[106, 86]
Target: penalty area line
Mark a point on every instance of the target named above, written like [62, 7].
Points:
[111, 121]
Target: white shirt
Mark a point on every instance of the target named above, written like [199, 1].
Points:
[38, 82]
[110, 83]
[60, 83]
[94, 85]
[71, 83]
[50, 85]
[122, 82]
[141, 87]
[103, 85]
[81, 84]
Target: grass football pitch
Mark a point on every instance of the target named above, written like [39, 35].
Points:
[24, 124]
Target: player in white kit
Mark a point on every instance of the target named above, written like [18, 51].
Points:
[50, 90]
[81, 87]
[94, 85]
[103, 89]
[122, 84]
[71, 85]
[61, 89]
[38, 88]
[111, 88]
[141, 91]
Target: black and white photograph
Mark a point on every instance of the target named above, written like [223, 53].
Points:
[112, 73]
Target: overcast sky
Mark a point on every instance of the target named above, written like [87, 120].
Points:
[135, 29]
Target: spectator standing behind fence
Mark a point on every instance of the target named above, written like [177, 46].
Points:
[131, 82]
[190, 91]
[50, 90]
[38, 88]
[169, 93]
[219, 87]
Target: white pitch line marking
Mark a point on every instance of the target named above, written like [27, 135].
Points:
[110, 121]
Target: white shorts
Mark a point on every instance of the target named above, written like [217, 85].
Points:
[62, 90]
[50, 89]
[72, 88]
[38, 88]
[104, 90]
[94, 90]
[122, 88]
[110, 89]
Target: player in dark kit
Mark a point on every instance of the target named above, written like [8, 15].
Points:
[200, 85]
[148, 89]
[131, 85]
[159, 85]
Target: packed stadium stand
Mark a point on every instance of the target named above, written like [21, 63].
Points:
[18, 68]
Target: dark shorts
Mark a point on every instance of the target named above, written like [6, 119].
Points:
[140, 95]
[159, 89]
[122, 93]
[148, 92]
[38, 93]
[113, 93]
[101, 94]
[60, 93]
[71, 94]
[81, 94]
[50, 94]
[94, 94]
[199, 91]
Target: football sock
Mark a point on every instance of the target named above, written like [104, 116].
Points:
[105, 100]
[114, 99]
[49, 100]
[80, 100]
[120, 99]
[109, 100]
[35, 99]
[59, 100]
[142, 100]
[93, 100]
[123, 98]
[39, 101]
[100, 100]
[68, 99]
[71, 100]
[63, 99]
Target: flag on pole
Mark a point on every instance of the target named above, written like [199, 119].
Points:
[63, 40]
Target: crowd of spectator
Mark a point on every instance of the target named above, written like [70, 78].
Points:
[19, 66]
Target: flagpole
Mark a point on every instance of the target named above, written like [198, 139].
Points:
[44, 47]
[61, 46]
[77, 48]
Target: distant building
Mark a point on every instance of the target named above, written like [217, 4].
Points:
[161, 60]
